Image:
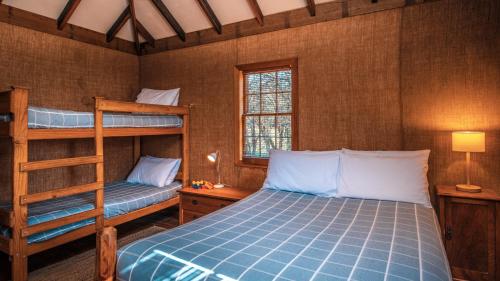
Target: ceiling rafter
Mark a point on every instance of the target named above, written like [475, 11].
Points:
[256, 11]
[170, 19]
[118, 24]
[211, 15]
[66, 13]
[311, 6]
[145, 33]
[133, 19]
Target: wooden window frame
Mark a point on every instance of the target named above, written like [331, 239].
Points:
[239, 76]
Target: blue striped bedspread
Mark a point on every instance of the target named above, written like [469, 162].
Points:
[277, 235]
[120, 198]
[47, 118]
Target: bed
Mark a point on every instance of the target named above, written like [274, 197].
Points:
[280, 235]
[48, 118]
[120, 198]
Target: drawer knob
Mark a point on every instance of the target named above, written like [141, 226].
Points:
[448, 233]
[194, 202]
[222, 205]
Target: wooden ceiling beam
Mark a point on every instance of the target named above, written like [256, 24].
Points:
[256, 11]
[134, 26]
[170, 19]
[118, 24]
[311, 6]
[66, 13]
[211, 15]
[145, 33]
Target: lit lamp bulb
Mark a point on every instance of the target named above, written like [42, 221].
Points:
[215, 157]
[468, 142]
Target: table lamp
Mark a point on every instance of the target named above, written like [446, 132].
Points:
[466, 141]
[215, 158]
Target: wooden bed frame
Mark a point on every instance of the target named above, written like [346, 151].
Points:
[15, 102]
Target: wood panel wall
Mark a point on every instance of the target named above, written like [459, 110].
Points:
[398, 79]
[64, 73]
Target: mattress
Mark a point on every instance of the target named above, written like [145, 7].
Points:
[278, 235]
[47, 118]
[120, 198]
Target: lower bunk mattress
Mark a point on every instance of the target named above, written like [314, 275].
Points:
[119, 198]
[48, 118]
[277, 235]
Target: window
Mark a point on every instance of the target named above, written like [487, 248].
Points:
[266, 112]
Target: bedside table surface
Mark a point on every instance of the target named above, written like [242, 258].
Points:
[451, 191]
[228, 193]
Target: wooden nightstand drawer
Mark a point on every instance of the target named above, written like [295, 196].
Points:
[191, 216]
[196, 203]
[202, 204]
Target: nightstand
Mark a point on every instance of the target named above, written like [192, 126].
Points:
[470, 226]
[195, 203]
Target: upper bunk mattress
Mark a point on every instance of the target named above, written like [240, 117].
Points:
[47, 118]
[119, 198]
[277, 235]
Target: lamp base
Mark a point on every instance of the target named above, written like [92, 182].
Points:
[468, 188]
[218, 185]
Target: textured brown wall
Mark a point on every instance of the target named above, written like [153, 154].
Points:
[66, 74]
[339, 103]
[450, 80]
[398, 79]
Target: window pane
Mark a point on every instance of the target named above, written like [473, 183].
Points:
[251, 126]
[285, 81]
[253, 104]
[284, 126]
[252, 148]
[268, 82]
[285, 102]
[253, 83]
[268, 126]
[268, 103]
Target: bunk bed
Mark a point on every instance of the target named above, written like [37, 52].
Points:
[31, 223]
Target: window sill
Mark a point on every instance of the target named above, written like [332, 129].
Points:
[252, 166]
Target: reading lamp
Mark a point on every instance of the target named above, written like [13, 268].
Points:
[215, 157]
[468, 142]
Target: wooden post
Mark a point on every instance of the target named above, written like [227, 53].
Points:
[99, 167]
[185, 150]
[106, 254]
[19, 134]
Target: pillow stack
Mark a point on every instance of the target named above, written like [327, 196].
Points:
[380, 175]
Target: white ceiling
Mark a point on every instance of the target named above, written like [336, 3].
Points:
[99, 15]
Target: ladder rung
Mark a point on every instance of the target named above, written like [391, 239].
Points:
[58, 163]
[61, 192]
[44, 226]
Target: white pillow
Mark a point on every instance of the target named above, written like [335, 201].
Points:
[397, 177]
[303, 171]
[393, 153]
[162, 97]
[154, 171]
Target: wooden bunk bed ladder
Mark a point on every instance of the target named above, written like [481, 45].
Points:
[19, 248]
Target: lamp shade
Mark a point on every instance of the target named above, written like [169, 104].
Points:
[212, 157]
[466, 141]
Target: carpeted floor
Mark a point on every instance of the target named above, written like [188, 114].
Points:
[76, 260]
[81, 267]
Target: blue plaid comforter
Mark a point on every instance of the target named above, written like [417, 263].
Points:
[47, 118]
[120, 198]
[277, 235]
